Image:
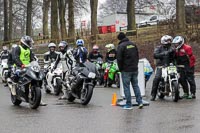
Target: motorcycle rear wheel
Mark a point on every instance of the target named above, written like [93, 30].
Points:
[175, 91]
[34, 102]
[86, 94]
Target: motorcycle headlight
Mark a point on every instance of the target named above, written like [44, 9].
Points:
[35, 68]
[91, 75]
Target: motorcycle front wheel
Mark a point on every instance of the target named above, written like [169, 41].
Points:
[34, 101]
[15, 101]
[58, 87]
[86, 94]
[175, 91]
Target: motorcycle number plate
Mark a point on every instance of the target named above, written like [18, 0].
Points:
[172, 69]
[91, 75]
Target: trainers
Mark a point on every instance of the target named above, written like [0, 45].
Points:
[185, 96]
[127, 107]
[193, 96]
[189, 97]
[140, 106]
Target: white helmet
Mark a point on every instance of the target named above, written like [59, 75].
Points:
[5, 48]
[110, 47]
[14, 45]
[178, 41]
[80, 42]
[63, 44]
[165, 39]
[51, 45]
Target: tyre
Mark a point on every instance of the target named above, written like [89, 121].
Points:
[15, 101]
[70, 97]
[58, 87]
[86, 94]
[161, 89]
[175, 91]
[34, 101]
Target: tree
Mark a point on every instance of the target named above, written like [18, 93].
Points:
[54, 19]
[62, 9]
[10, 19]
[71, 30]
[131, 15]
[180, 14]
[5, 20]
[46, 4]
[29, 18]
[93, 7]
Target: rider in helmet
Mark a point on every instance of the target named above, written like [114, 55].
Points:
[80, 52]
[4, 54]
[111, 53]
[95, 53]
[67, 60]
[49, 57]
[23, 54]
[164, 55]
[186, 62]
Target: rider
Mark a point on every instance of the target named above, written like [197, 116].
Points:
[95, 54]
[164, 55]
[23, 55]
[67, 60]
[185, 60]
[80, 52]
[111, 53]
[50, 57]
[4, 55]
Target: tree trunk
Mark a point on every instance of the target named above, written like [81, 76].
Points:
[10, 19]
[54, 19]
[180, 14]
[29, 18]
[62, 8]
[71, 29]
[5, 20]
[131, 15]
[46, 4]
[94, 31]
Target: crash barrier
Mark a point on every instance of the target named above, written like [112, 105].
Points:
[141, 81]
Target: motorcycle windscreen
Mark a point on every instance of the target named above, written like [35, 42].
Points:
[90, 66]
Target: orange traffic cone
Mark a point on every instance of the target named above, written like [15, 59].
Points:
[114, 99]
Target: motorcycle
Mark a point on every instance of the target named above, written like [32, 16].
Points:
[54, 79]
[4, 70]
[99, 65]
[81, 82]
[169, 86]
[111, 74]
[26, 85]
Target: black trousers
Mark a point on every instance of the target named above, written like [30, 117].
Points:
[156, 81]
[187, 76]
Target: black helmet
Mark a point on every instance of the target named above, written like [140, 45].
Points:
[27, 41]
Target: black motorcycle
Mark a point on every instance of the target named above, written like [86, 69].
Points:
[99, 64]
[26, 85]
[81, 82]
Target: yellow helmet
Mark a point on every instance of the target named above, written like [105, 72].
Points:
[110, 47]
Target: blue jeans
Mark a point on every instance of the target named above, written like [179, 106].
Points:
[127, 78]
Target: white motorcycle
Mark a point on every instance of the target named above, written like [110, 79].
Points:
[54, 79]
[4, 70]
[169, 86]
